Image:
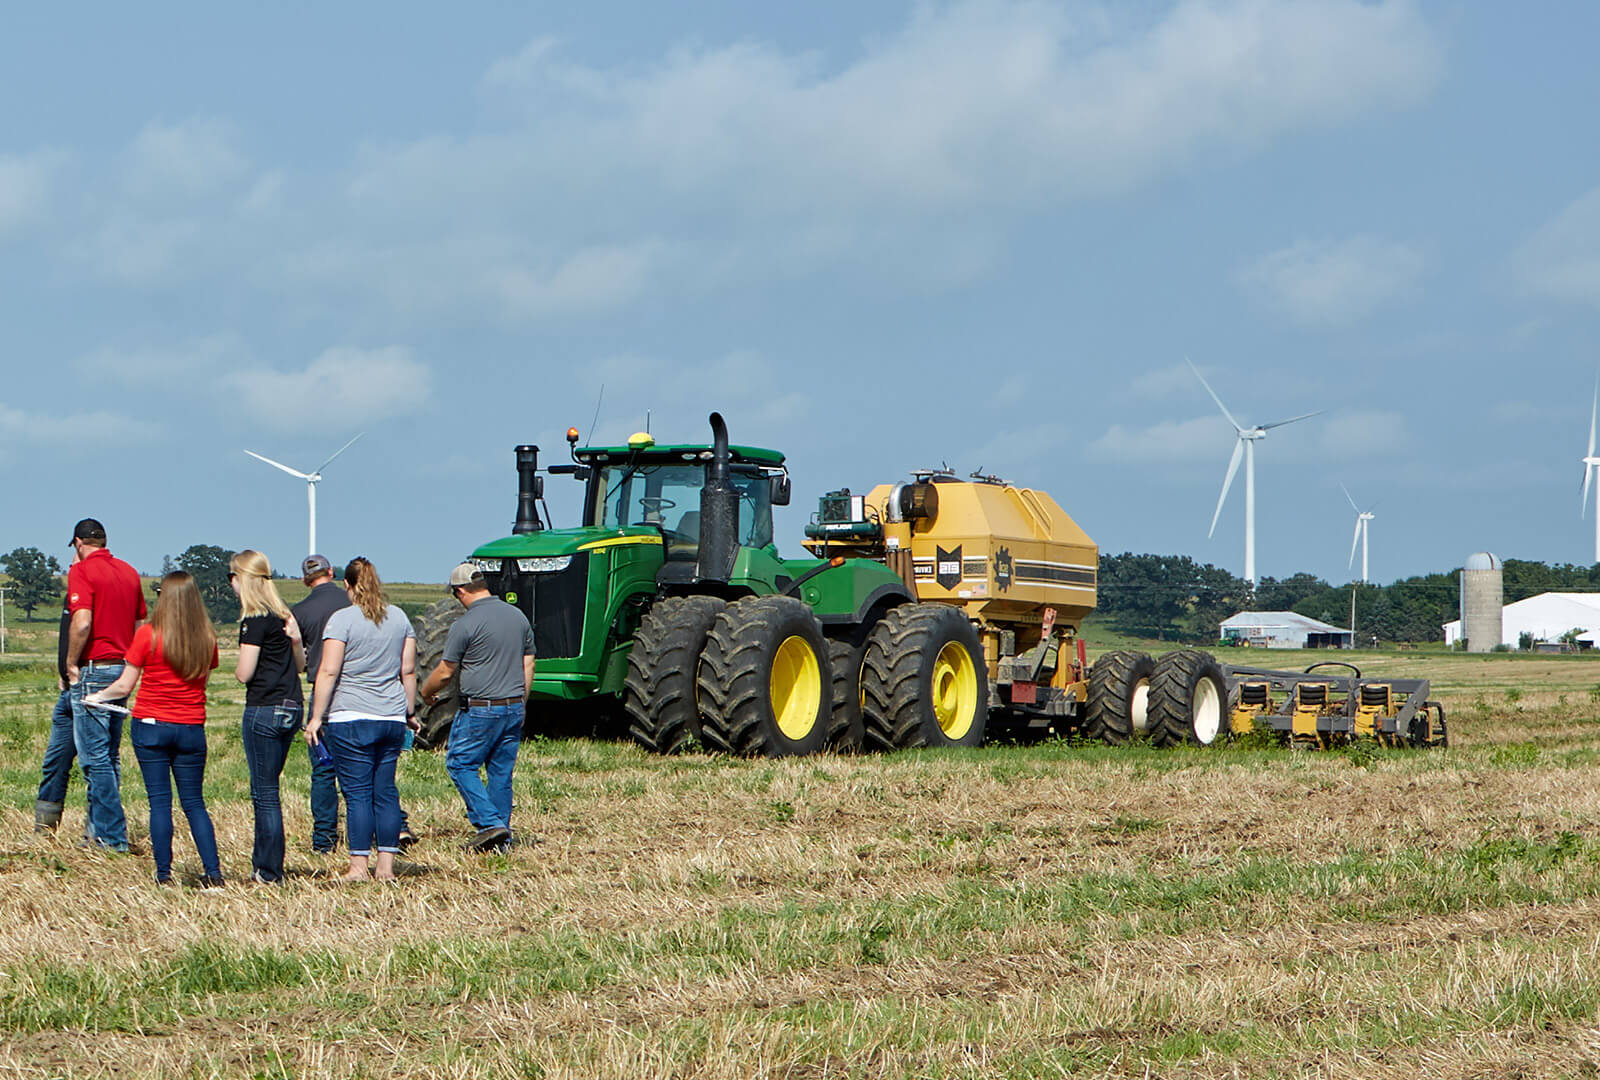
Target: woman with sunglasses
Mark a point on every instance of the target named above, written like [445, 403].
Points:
[271, 657]
[365, 696]
[174, 654]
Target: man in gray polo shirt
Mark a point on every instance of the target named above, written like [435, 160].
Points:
[492, 645]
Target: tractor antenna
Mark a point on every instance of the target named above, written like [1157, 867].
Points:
[596, 419]
[647, 421]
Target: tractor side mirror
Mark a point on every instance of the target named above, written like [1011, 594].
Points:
[780, 490]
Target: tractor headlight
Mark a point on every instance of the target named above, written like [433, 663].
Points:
[488, 566]
[549, 564]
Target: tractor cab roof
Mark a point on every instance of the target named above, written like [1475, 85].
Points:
[660, 454]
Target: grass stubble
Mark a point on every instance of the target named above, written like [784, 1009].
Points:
[1016, 911]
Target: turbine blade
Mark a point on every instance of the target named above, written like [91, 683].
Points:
[337, 452]
[1583, 504]
[278, 465]
[1291, 420]
[1214, 396]
[1354, 540]
[1594, 409]
[1349, 499]
[1227, 482]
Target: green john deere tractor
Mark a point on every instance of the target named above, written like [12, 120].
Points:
[671, 600]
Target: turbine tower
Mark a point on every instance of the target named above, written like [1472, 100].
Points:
[312, 479]
[1362, 518]
[1590, 464]
[1245, 448]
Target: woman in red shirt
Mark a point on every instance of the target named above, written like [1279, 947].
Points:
[175, 654]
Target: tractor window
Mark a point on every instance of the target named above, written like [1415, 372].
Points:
[668, 496]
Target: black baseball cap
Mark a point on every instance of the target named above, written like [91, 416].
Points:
[87, 529]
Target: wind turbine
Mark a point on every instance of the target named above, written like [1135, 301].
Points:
[312, 479]
[1246, 448]
[1362, 518]
[1590, 464]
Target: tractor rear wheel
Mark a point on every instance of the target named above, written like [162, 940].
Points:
[1119, 697]
[432, 627]
[659, 692]
[845, 729]
[1188, 700]
[924, 680]
[765, 679]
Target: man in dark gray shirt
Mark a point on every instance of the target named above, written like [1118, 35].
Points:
[492, 646]
[311, 614]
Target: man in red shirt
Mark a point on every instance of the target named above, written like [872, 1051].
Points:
[106, 600]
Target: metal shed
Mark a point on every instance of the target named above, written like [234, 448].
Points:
[1283, 630]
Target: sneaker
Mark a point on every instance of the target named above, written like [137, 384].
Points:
[209, 882]
[407, 839]
[167, 880]
[488, 839]
[261, 879]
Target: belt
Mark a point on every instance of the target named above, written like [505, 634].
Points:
[103, 661]
[486, 703]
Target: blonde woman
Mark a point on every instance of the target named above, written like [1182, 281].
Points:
[271, 657]
[365, 696]
[174, 653]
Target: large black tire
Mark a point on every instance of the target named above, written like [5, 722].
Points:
[1188, 700]
[1119, 697]
[845, 729]
[765, 679]
[432, 627]
[659, 691]
[924, 680]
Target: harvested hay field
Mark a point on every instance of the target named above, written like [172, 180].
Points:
[1052, 910]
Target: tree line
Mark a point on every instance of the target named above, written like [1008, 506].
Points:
[1174, 598]
[36, 579]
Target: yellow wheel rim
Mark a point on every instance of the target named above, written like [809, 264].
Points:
[796, 687]
[955, 690]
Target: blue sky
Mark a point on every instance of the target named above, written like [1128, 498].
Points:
[874, 236]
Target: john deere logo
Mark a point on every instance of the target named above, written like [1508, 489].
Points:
[947, 568]
[1002, 569]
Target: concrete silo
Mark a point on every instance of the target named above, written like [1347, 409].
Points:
[1482, 600]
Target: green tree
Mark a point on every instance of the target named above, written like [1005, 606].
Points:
[208, 565]
[35, 578]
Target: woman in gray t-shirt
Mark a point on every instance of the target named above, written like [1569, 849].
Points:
[366, 693]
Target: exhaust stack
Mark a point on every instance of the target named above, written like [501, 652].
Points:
[530, 488]
[719, 511]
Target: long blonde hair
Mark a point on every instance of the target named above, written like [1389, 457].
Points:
[182, 628]
[257, 594]
[366, 591]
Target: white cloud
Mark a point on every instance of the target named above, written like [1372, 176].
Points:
[74, 435]
[1561, 260]
[183, 160]
[25, 185]
[1333, 283]
[1166, 441]
[591, 279]
[1338, 435]
[343, 386]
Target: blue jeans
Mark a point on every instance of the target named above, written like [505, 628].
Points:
[97, 737]
[167, 753]
[485, 737]
[58, 757]
[365, 753]
[269, 731]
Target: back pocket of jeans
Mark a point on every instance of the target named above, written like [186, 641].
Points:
[286, 719]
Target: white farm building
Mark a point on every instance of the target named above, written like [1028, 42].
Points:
[1544, 618]
[1283, 630]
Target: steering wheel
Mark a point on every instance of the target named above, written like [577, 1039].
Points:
[654, 504]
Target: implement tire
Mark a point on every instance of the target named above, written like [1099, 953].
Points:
[659, 693]
[923, 679]
[432, 627]
[845, 728]
[1188, 700]
[1119, 697]
[765, 679]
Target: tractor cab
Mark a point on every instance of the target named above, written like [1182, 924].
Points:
[643, 485]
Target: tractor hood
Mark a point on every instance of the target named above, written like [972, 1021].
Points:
[557, 542]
